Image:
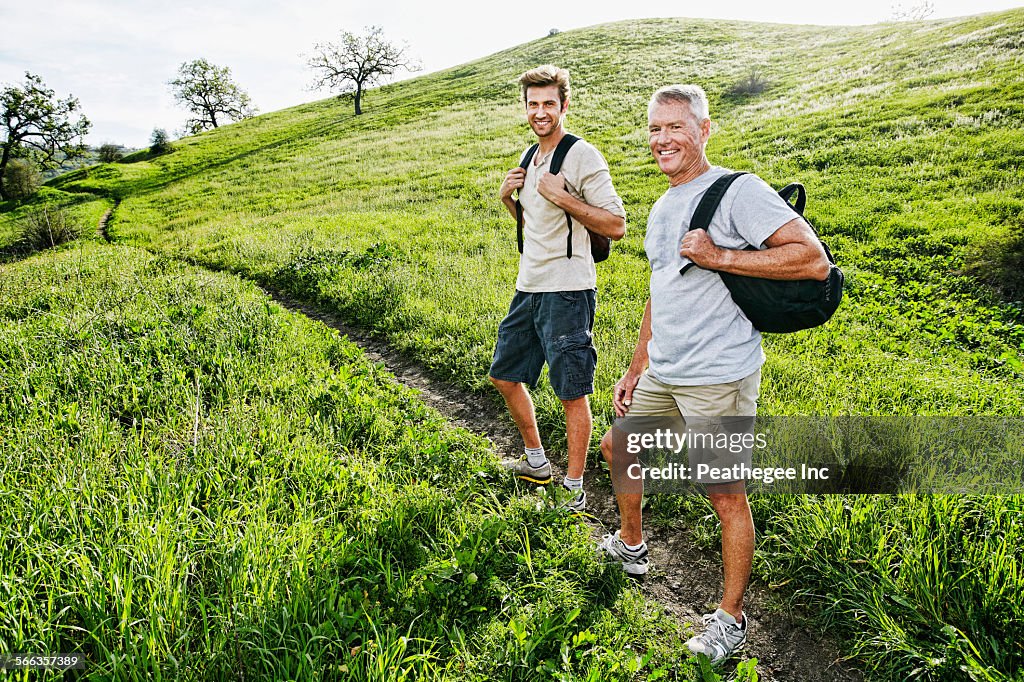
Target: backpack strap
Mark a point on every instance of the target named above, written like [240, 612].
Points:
[524, 164]
[708, 205]
[557, 157]
[801, 196]
[561, 150]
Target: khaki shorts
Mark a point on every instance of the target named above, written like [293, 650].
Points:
[715, 418]
[735, 399]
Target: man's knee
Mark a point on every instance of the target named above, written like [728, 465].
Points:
[576, 405]
[729, 500]
[504, 386]
[606, 447]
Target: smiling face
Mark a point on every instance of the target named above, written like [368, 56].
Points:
[545, 109]
[677, 140]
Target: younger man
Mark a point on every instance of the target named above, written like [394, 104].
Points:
[552, 312]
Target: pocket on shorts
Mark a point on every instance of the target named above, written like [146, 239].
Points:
[578, 357]
[570, 297]
[747, 394]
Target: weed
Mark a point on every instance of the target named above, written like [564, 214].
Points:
[46, 227]
[752, 83]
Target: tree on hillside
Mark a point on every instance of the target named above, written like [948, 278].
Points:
[108, 152]
[917, 11]
[357, 62]
[208, 92]
[21, 179]
[159, 142]
[38, 126]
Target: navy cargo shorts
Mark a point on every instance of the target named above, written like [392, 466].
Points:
[553, 327]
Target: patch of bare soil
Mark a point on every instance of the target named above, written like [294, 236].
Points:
[686, 580]
[101, 228]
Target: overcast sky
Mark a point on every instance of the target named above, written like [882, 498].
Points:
[116, 56]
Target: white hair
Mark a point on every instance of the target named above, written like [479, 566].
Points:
[693, 95]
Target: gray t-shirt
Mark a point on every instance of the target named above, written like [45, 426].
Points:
[699, 335]
[543, 265]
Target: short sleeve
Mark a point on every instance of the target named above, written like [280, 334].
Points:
[591, 178]
[757, 210]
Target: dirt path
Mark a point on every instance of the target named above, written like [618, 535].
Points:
[101, 228]
[685, 580]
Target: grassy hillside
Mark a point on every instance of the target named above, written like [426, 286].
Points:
[908, 138]
[198, 484]
[910, 161]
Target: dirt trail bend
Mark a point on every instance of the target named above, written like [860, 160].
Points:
[101, 228]
[685, 580]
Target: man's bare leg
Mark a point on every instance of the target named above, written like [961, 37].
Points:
[730, 503]
[578, 427]
[630, 513]
[520, 405]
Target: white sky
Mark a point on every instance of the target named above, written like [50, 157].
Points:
[116, 56]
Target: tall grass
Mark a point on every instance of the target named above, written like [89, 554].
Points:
[198, 484]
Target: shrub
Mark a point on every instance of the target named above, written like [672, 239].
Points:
[110, 152]
[553, 32]
[45, 227]
[999, 263]
[159, 141]
[21, 179]
[753, 83]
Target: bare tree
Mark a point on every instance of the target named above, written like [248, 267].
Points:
[917, 11]
[357, 62]
[208, 92]
[38, 126]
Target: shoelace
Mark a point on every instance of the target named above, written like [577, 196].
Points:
[714, 633]
[610, 539]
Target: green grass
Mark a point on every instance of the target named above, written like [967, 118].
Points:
[933, 580]
[908, 138]
[200, 484]
[83, 209]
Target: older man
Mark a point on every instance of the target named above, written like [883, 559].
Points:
[698, 356]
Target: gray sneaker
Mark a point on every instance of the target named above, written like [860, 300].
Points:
[720, 639]
[634, 562]
[521, 468]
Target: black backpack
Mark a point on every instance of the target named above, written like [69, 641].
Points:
[774, 305]
[600, 246]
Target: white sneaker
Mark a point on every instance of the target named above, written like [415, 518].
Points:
[521, 468]
[634, 562]
[721, 638]
[577, 502]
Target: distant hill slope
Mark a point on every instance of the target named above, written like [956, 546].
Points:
[907, 136]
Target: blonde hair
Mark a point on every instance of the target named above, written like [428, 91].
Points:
[547, 74]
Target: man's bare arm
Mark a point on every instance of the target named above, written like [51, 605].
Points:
[622, 394]
[793, 253]
[514, 180]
